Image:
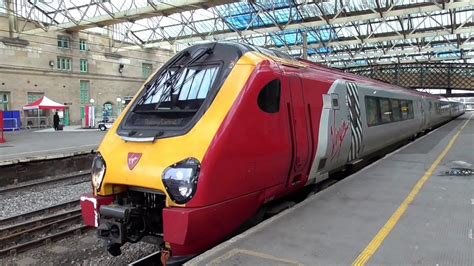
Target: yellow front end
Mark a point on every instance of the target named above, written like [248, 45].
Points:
[157, 156]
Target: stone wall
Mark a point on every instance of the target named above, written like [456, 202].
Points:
[33, 69]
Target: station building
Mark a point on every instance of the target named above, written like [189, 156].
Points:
[75, 69]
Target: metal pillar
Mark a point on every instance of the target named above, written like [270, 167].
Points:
[11, 18]
[110, 35]
[448, 92]
[305, 45]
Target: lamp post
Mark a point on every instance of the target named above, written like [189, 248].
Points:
[119, 106]
[88, 123]
[101, 112]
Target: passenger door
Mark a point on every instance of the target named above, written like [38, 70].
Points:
[298, 122]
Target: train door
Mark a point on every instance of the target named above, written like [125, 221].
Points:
[428, 110]
[299, 130]
[424, 113]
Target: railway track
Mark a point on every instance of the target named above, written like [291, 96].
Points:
[37, 228]
[81, 176]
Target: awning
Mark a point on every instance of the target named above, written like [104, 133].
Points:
[44, 103]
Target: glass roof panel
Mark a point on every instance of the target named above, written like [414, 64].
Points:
[328, 23]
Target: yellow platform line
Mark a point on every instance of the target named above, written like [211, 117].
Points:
[377, 241]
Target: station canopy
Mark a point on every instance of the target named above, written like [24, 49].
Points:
[340, 33]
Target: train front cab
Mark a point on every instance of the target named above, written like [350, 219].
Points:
[189, 191]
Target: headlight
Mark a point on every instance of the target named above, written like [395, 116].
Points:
[98, 171]
[180, 180]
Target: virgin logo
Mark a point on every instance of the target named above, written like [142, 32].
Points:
[133, 159]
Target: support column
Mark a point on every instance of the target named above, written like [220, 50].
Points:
[448, 92]
[11, 18]
[110, 34]
[305, 45]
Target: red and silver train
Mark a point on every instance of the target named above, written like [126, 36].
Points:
[223, 129]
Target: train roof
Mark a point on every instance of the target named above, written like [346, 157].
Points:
[278, 57]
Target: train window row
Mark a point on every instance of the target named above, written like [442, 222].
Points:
[442, 107]
[386, 110]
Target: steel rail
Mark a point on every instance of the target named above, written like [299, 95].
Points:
[45, 181]
[42, 241]
[29, 215]
[43, 228]
[29, 225]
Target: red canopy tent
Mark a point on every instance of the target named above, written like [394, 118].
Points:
[44, 103]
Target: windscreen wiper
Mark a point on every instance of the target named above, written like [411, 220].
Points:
[171, 82]
[162, 75]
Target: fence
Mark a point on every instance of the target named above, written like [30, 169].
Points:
[459, 76]
[38, 122]
[12, 124]
[2, 139]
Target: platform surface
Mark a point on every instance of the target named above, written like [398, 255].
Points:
[336, 225]
[27, 145]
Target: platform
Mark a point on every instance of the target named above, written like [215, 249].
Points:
[401, 210]
[27, 145]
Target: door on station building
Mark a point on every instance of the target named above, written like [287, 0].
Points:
[299, 130]
[66, 121]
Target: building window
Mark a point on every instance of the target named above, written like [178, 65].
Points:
[127, 99]
[107, 111]
[84, 91]
[34, 96]
[146, 69]
[269, 97]
[64, 63]
[64, 42]
[82, 45]
[84, 66]
[4, 101]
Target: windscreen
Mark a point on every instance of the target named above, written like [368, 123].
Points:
[174, 97]
[180, 93]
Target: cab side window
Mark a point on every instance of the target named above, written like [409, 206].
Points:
[269, 97]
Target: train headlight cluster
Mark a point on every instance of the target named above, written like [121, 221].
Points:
[181, 179]
[98, 171]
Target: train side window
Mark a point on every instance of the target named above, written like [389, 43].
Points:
[269, 97]
[396, 114]
[407, 109]
[371, 109]
[385, 110]
[410, 110]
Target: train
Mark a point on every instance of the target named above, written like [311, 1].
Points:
[224, 129]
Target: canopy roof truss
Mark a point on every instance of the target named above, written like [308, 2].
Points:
[340, 33]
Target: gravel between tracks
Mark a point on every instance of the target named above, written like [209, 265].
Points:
[85, 249]
[17, 203]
